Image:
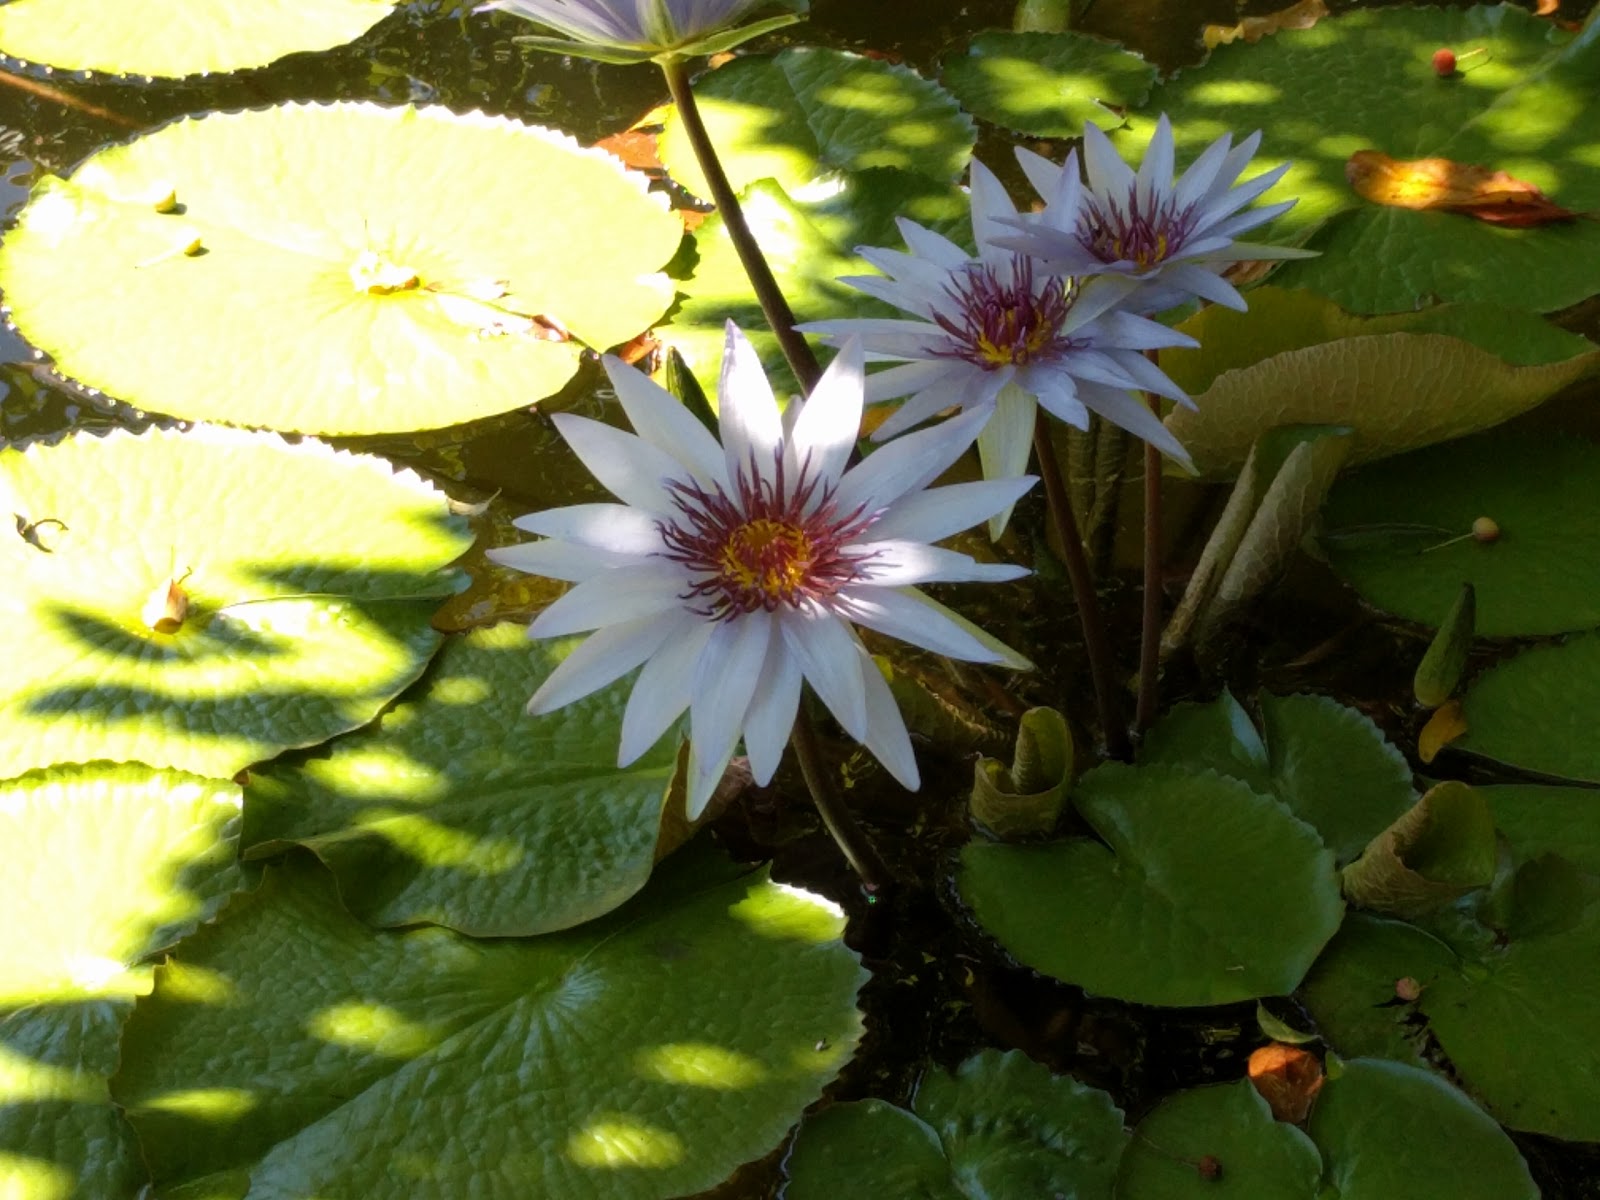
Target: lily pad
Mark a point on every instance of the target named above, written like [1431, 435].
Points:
[308, 576]
[1328, 764]
[338, 268]
[1256, 1157]
[1001, 1125]
[623, 1059]
[1536, 711]
[1206, 891]
[807, 111]
[1538, 820]
[1048, 84]
[459, 809]
[1385, 529]
[1364, 80]
[189, 37]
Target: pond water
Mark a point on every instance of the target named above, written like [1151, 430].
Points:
[940, 990]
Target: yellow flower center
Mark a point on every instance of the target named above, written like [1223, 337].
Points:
[766, 556]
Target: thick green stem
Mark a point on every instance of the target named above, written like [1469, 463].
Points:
[802, 362]
[842, 827]
[1094, 629]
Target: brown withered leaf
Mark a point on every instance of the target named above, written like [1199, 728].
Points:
[1301, 15]
[1288, 1079]
[1438, 183]
[1448, 723]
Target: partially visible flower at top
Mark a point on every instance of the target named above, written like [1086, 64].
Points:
[1171, 237]
[733, 572]
[634, 31]
[1000, 333]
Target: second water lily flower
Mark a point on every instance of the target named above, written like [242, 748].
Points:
[632, 31]
[732, 573]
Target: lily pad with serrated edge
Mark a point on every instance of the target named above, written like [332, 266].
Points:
[1047, 84]
[1383, 529]
[1206, 892]
[341, 268]
[457, 808]
[1536, 711]
[309, 575]
[1364, 80]
[178, 37]
[807, 111]
[1000, 1125]
[644, 1055]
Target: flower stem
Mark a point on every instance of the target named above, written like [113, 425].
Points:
[802, 362]
[1094, 629]
[842, 827]
[1150, 626]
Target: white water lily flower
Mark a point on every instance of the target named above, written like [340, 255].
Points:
[630, 31]
[1172, 238]
[733, 572]
[998, 332]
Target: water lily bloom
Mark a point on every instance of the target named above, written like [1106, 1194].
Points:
[1172, 238]
[632, 31]
[733, 572]
[1000, 333]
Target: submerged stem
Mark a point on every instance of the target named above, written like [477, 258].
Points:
[1094, 629]
[842, 827]
[802, 362]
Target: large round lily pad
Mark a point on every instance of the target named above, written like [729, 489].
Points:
[458, 808]
[1538, 820]
[1000, 1126]
[1364, 80]
[1536, 710]
[338, 268]
[1206, 892]
[644, 1055]
[1386, 527]
[308, 577]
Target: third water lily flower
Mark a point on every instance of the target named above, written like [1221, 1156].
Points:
[632, 31]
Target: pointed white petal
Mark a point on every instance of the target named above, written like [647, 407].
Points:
[1004, 444]
[1131, 413]
[883, 336]
[907, 614]
[1208, 285]
[989, 203]
[825, 650]
[900, 562]
[704, 776]
[629, 467]
[908, 463]
[725, 678]
[661, 419]
[661, 693]
[1044, 175]
[934, 247]
[752, 429]
[905, 380]
[772, 710]
[830, 420]
[886, 735]
[947, 392]
[1109, 176]
[1155, 172]
[1202, 173]
[936, 513]
[639, 589]
[555, 559]
[617, 527]
[603, 658]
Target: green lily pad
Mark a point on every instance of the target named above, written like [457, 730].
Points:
[337, 268]
[1206, 891]
[1364, 80]
[644, 1055]
[1539, 820]
[1387, 1129]
[1328, 764]
[804, 112]
[1001, 1125]
[1259, 1158]
[309, 577]
[189, 37]
[1048, 84]
[1536, 711]
[1384, 527]
[459, 809]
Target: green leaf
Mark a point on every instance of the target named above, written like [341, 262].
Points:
[1440, 670]
[1389, 1130]
[1206, 892]
[1328, 764]
[1028, 796]
[1539, 820]
[1389, 531]
[1000, 1126]
[342, 281]
[310, 576]
[178, 37]
[1430, 856]
[1259, 1158]
[619, 1060]
[459, 809]
[1048, 84]
[1537, 710]
[802, 113]
[1364, 80]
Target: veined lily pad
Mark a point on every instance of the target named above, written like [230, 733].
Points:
[203, 600]
[644, 1055]
[1208, 893]
[1536, 710]
[1363, 80]
[1000, 1126]
[458, 808]
[1048, 84]
[337, 268]
[1539, 820]
[1389, 531]
[186, 37]
[805, 112]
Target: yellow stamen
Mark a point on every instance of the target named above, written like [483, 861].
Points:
[768, 556]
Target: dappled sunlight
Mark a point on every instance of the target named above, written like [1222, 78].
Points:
[374, 1028]
[434, 844]
[791, 914]
[186, 983]
[23, 1177]
[24, 1079]
[617, 1141]
[700, 1065]
[209, 1106]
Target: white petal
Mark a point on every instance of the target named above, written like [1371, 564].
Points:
[884, 336]
[603, 658]
[905, 379]
[830, 421]
[899, 562]
[1125, 410]
[825, 650]
[948, 392]
[725, 678]
[907, 614]
[639, 589]
[770, 721]
[704, 776]
[661, 419]
[555, 559]
[886, 735]
[631, 468]
[617, 527]
[934, 247]
[662, 691]
[1202, 173]
[1208, 285]
[1004, 444]
[936, 513]
[1109, 176]
[989, 203]
[1155, 172]
[908, 463]
[752, 429]
[1044, 175]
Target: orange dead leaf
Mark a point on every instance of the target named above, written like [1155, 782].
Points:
[1288, 1079]
[1439, 183]
[1301, 15]
[1447, 724]
[1547, 8]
